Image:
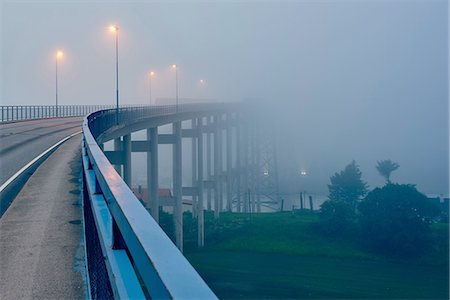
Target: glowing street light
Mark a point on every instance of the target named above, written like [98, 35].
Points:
[59, 55]
[175, 67]
[115, 30]
[150, 75]
[202, 81]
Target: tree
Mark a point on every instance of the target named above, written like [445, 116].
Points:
[395, 220]
[347, 185]
[386, 167]
[338, 214]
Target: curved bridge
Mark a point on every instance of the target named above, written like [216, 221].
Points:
[139, 258]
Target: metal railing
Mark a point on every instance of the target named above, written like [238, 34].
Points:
[140, 258]
[30, 112]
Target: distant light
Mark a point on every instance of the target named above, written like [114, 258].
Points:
[202, 81]
[303, 173]
[59, 54]
[174, 66]
[266, 173]
[152, 73]
[113, 28]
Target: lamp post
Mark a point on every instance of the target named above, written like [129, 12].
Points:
[115, 29]
[150, 75]
[59, 55]
[175, 67]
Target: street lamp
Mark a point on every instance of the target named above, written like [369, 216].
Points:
[175, 67]
[115, 29]
[59, 55]
[150, 75]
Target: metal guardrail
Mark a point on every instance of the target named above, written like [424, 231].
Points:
[30, 112]
[140, 258]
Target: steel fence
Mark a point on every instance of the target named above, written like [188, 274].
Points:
[29, 112]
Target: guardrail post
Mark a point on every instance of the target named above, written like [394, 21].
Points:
[200, 212]
[194, 166]
[177, 186]
[208, 162]
[127, 159]
[152, 173]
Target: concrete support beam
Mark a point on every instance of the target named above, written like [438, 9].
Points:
[140, 146]
[177, 185]
[167, 139]
[189, 133]
[127, 159]
[200, 210]
[152, 173]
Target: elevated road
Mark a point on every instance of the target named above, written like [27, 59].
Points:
[41, 251]
[20, 142]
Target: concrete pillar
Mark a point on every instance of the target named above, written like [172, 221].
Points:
[208, 162]
[258, 169]
[216, 167]
[254, 169]
[220, 173]
[229, 133]
[194, 167]
[118, 147]
[127, 159]
[238, 162]
[245, 149]
[177, 186]
[152, 173]
[200, 215]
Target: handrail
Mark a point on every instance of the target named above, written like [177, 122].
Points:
[11, 113]
[133, 243]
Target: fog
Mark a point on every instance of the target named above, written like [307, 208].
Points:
[342, 80]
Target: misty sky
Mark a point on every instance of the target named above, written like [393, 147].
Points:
[343, 80]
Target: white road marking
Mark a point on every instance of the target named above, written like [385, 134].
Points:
[18, 173]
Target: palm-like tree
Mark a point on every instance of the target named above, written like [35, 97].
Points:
[386, 167]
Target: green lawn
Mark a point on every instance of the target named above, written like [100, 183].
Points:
[281, 256]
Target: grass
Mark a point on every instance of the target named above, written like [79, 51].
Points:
[281, 256]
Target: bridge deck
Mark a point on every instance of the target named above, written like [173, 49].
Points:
[40, 234]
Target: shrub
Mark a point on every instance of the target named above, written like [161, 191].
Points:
[336, 217]
[395, 220]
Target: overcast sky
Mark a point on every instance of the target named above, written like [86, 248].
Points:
[363, 80]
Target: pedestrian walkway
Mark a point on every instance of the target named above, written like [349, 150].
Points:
[41, 255]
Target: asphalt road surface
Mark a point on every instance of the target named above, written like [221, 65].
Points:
[20, 142]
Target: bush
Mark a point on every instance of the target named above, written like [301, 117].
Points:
[336, 217]
[395, 220]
